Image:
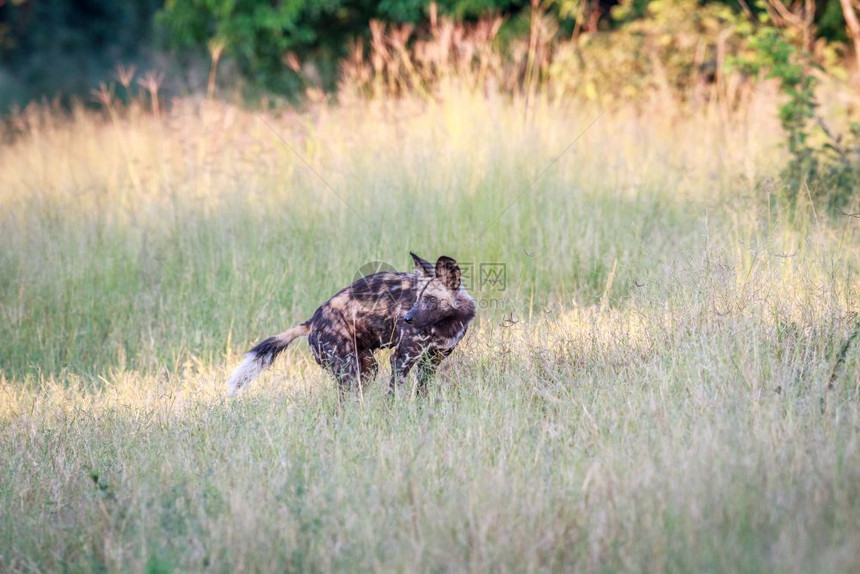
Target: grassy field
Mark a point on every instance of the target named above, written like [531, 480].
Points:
[656, 387]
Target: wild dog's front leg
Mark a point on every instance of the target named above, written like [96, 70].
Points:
[409, 353]
[427, 365]
[401, 364]
[402, 360]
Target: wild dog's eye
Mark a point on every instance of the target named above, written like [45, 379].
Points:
[431, 301]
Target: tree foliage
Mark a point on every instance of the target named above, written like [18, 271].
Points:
[264, 36]
[52, 47]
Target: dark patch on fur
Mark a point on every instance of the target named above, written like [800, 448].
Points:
[266, 347]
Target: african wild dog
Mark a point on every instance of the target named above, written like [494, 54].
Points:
[422, 315]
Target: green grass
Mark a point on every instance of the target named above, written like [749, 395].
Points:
[654, 390]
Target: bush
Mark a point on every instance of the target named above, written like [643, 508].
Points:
[823, 166]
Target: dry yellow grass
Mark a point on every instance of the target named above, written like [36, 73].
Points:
[654, 389]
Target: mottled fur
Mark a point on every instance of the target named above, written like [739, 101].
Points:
[421, 315]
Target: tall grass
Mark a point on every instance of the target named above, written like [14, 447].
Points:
[658, 387]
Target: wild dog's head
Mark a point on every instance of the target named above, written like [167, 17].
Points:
[440, 294]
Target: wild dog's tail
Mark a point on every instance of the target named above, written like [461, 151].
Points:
[262, 355]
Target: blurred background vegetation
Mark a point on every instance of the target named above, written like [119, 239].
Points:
[678, 55]
[600, 49]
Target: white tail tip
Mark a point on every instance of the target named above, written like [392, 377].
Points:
[245, 373]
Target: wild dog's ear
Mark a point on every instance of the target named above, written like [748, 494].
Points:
[422, 265]
[448, 272]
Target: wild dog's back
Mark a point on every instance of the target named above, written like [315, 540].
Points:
[367, 312]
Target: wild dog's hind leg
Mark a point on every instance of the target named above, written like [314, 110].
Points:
[368, 366]
[354, 369]
[338, 359]
[346, 368]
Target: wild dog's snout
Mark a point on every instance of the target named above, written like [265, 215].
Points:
[414, 310]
